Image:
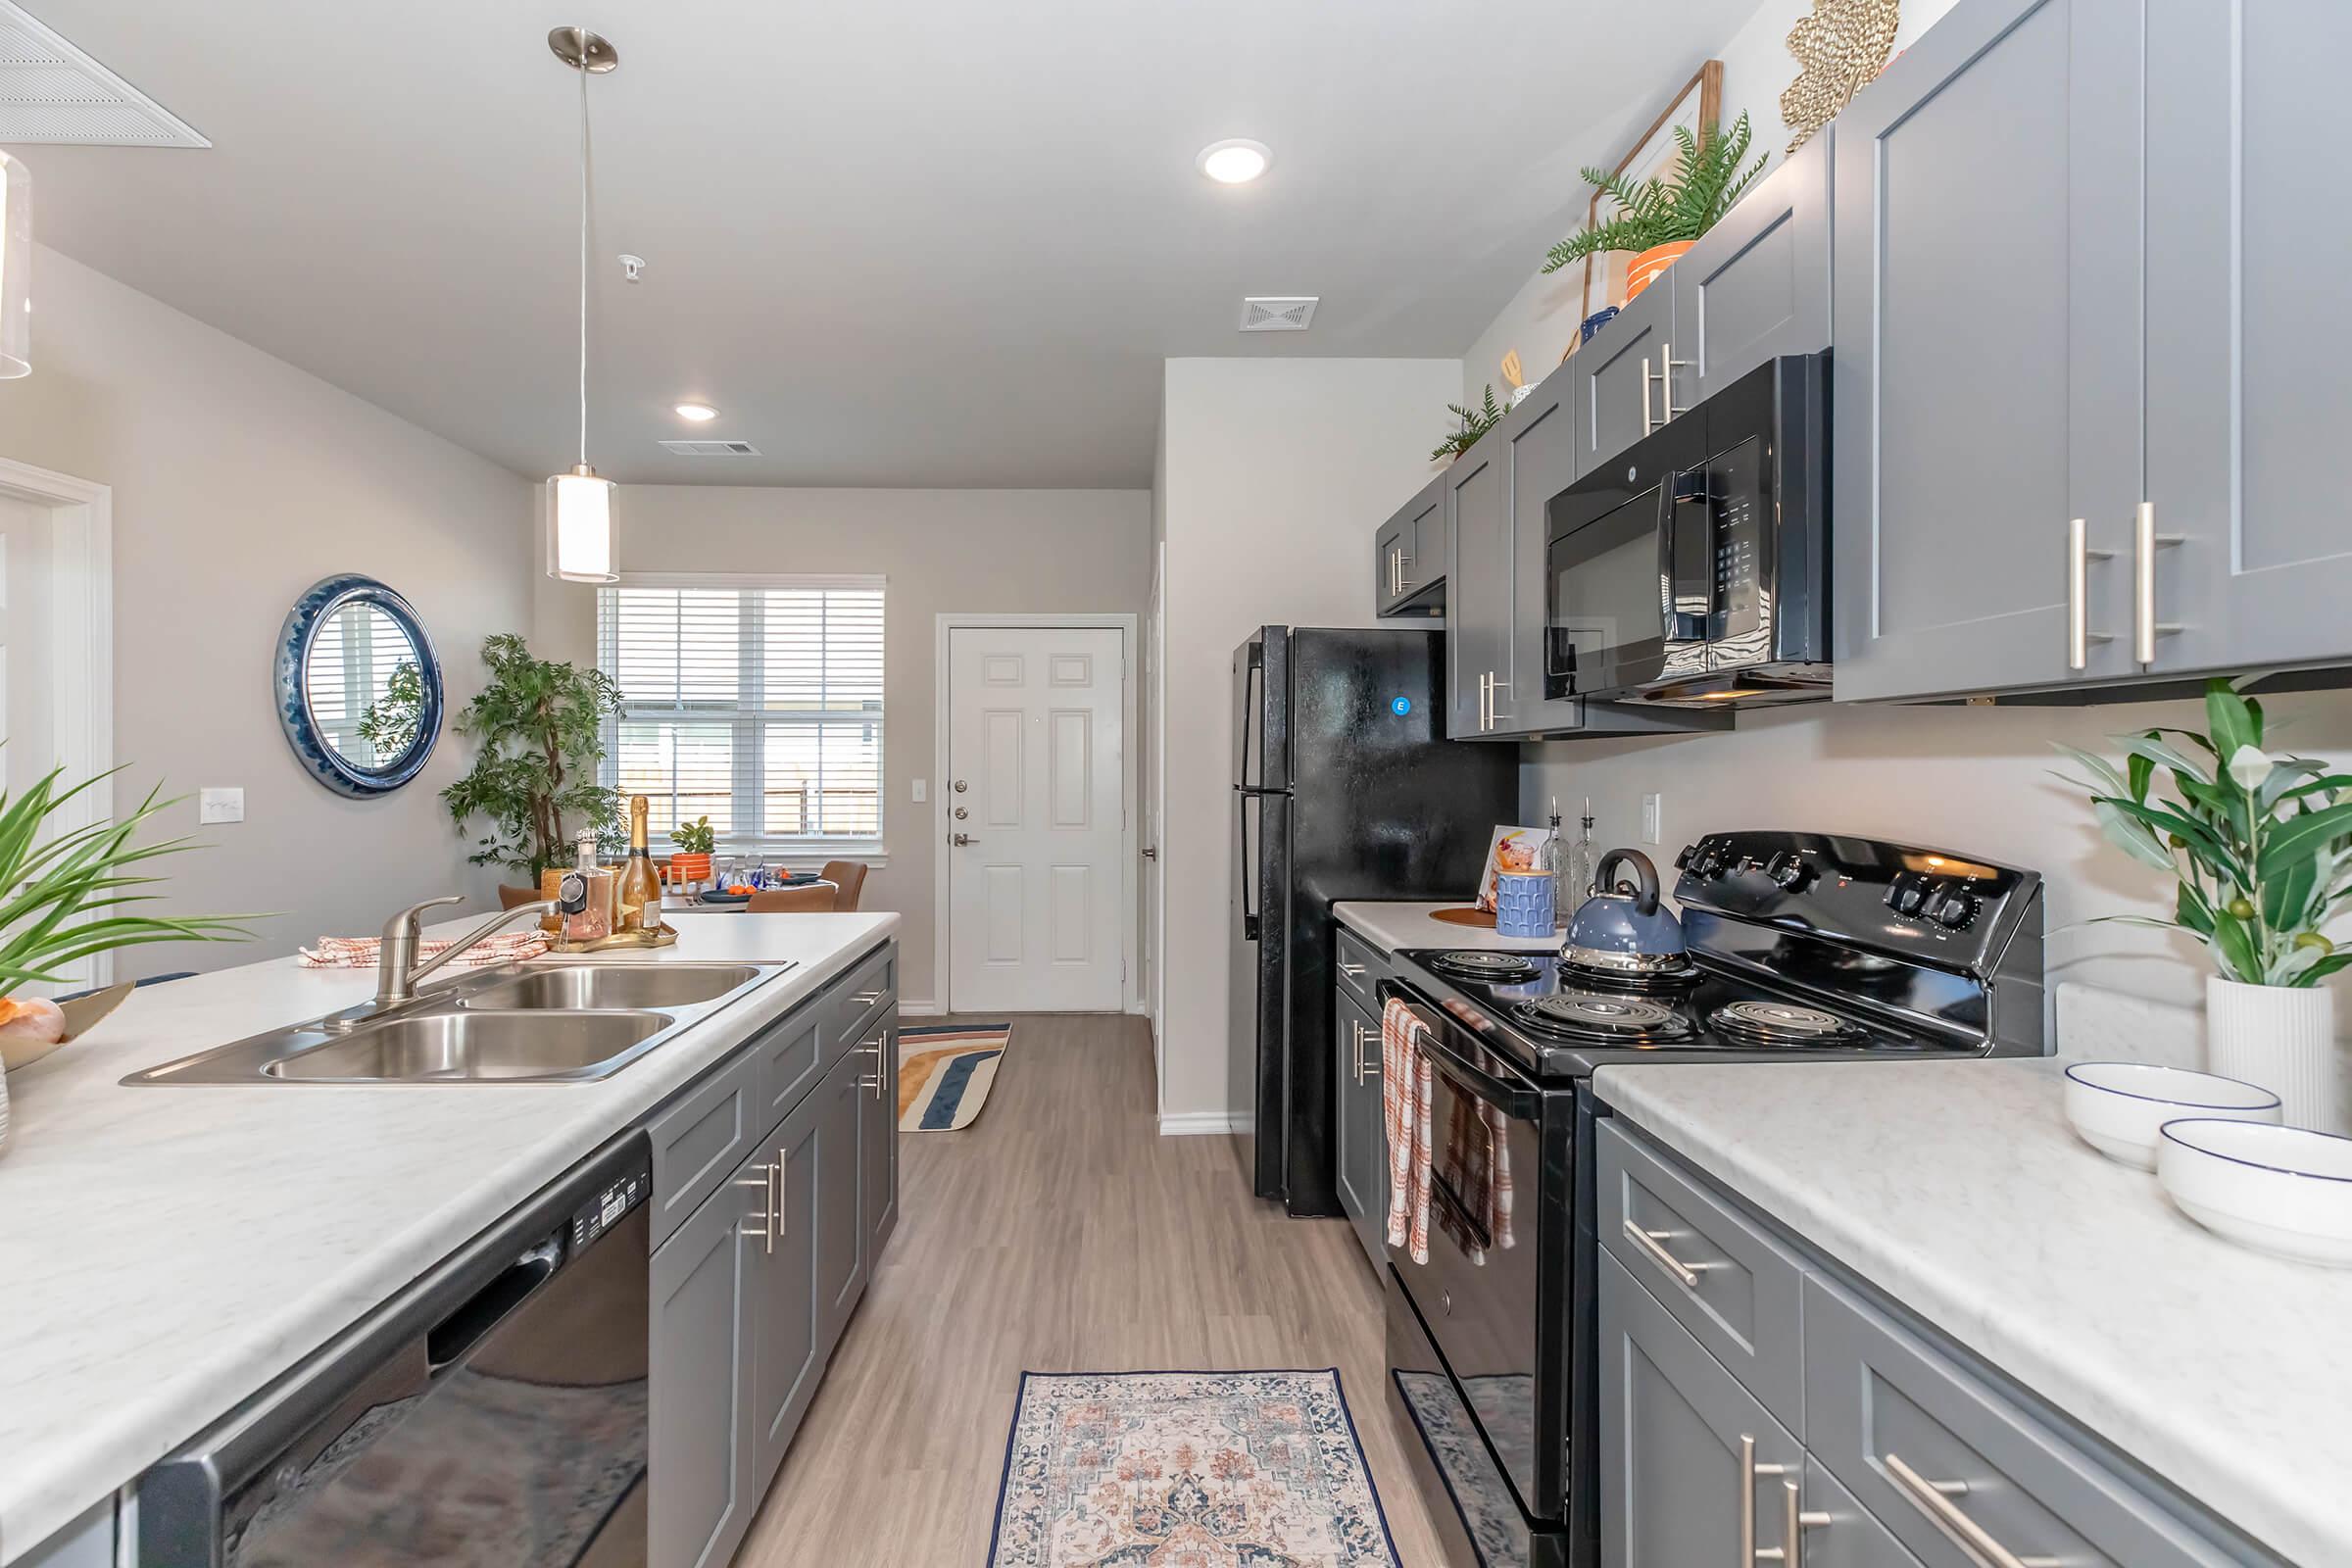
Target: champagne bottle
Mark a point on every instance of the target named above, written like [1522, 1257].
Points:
[640, 889]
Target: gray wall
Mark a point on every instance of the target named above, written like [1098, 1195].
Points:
[238, 481]
[1005, 551]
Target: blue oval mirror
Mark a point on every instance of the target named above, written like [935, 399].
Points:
[359, 686]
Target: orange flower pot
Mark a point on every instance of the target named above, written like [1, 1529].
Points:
[1645, 266]
[690, 868]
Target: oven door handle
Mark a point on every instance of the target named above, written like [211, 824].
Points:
[1518, 1104]
[1684, 488]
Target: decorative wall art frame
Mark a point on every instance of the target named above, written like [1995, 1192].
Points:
[1698, 105]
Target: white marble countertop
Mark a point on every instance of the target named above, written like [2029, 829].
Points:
[1959, 1189]
[1390, 927]
[165, 1251]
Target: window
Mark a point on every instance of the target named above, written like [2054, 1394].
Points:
[755, 703]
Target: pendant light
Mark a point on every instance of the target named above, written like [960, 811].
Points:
[16, 269]
[580, 514]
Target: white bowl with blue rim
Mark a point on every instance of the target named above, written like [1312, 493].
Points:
[2118, 1106]
[2280, 1190]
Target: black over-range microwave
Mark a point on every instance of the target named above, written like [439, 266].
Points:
[1693, 568]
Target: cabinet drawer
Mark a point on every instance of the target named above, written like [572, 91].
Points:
[1740, 1292]
[788, 1058]
[853, 1000]
[1361, 966]
[701, 1136]
[1940, 1458]
[1837, 1532]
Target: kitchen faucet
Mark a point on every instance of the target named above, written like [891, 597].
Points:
[396, 971]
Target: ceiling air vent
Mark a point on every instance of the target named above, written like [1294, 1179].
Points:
[52, 92]
[711, 448]
[1277, 315]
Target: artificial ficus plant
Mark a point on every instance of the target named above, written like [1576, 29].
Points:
[2260, 845]
[540, 724]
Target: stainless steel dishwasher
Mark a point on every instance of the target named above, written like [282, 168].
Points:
[492, 1415]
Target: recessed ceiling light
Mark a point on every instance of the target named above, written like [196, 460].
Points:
[1235, 162]
[699, 413]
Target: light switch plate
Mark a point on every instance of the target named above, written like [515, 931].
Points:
[1652, 826]
[922, 790]
[217, 804]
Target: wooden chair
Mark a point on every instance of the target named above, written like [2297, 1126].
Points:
[850, 877]
[817, 896]
[510, 897]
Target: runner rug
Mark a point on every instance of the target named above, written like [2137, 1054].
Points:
[1214, 1469]
[945, 1071]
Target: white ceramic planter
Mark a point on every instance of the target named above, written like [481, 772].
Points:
[2280, 1037]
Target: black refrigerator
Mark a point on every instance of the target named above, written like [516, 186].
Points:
[1345, 787]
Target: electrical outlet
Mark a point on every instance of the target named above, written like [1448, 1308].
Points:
[1652, 831]
[217, 804]
[922, 790]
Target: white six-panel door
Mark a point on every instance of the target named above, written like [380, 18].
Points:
[1036, 780]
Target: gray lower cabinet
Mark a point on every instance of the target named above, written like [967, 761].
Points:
[704, 1298]
[1757, 286]
[1693, 1469]
[1974, 417]
[1362, 1145]
[750, 1292]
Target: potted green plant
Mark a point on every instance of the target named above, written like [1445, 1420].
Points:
[1475, 422]
[540, 725]
[695, 841]
[2260, 848]
[69, 894]
[1662, 216]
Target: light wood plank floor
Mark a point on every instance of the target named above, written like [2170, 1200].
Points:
[1060, 1233]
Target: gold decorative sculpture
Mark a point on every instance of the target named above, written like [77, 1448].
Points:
[1839, 49]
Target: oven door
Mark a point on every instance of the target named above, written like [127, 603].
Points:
[1494, 1226]
[1613, 609]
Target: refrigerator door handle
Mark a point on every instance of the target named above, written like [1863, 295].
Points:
[1253, 686]
[1247, 871]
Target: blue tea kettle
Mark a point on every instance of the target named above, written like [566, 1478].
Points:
[1625, 933]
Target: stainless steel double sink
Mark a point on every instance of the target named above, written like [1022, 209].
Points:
[517, 1023]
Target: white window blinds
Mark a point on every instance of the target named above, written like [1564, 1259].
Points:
[756, 703]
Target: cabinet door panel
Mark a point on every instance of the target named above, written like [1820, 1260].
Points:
[1387, 545]
[840, 1241]
[1677, 1434]
[1478, 587]
[1973, 419]
[878, 1154]
[1757, 286]
[700, 1439]
[787, 1353]
[2246, 387]
[1542, 439]
[1618, 395]
[1843, 1533]
[1423, 540]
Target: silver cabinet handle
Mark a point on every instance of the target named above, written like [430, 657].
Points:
[1354, 971]
[866, 999]
[768, 1217]
[1667, 366]
[1482, 703]
[2145, 542]
[1934, 1500]
[1653, 1243]
[1402, 582]
[2079, 557]
[1750, 1473]
[874, 1047]
[1494, 683]
[1646, 425]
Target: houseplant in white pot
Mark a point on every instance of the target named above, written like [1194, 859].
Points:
[2260, 848]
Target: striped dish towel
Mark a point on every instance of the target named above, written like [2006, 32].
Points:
[1404, 1096]
[360, 952]
[1498, 1176]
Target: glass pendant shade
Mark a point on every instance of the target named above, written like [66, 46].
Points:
[580, 518]
[16, 269]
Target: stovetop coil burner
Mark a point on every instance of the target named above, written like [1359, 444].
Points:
[1581, 1015]
[1781, 1023]
[1666, 981]
[1474, 964]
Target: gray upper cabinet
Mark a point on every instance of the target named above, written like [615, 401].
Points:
[1539, 436]
[1757, 286]
[1411, 551]
[2247, 345]
[1477, 589]
[1617, 394]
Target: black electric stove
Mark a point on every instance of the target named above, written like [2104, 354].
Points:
[1801, 945]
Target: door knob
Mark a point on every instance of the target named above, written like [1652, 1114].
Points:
[961, 813]
[959, 840]
[960, 786]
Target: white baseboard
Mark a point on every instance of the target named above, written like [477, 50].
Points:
[1190, 1123]
[920, 1010]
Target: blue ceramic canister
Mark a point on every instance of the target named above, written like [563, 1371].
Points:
[1523, 904]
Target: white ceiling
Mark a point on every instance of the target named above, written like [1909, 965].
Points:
[924, 242]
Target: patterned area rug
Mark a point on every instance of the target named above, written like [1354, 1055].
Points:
[945, 1071]
[1187, 1470]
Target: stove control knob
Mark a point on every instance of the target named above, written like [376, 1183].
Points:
[1955, 910]
[1908, 896]
[1789, 870]
[1682, 861]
